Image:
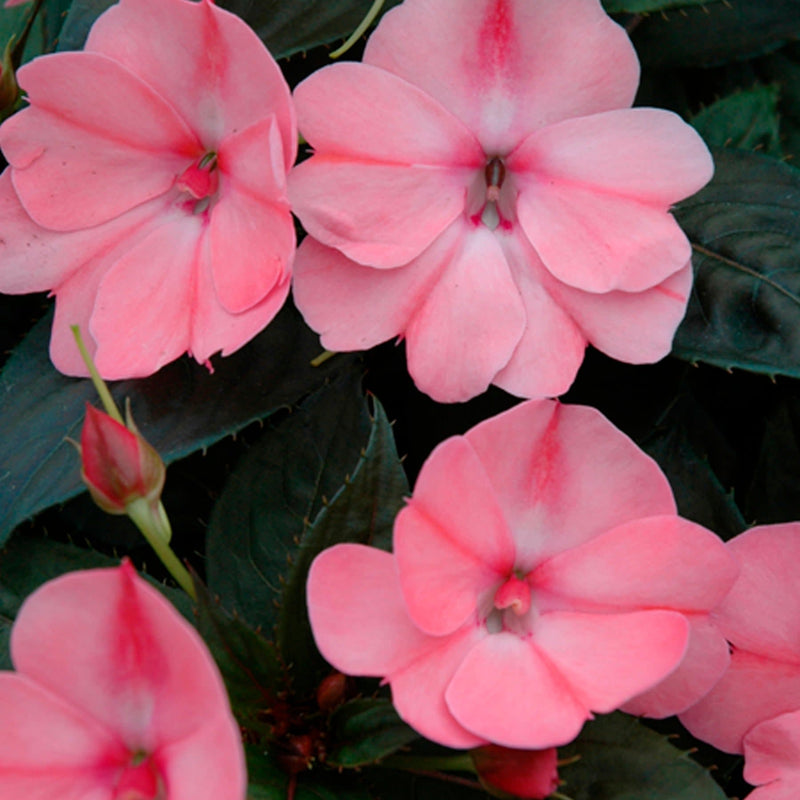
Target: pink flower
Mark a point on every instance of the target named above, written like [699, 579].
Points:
[772, 758]
[524, 773]
[761, 619]
[538, 574]
[480, 187]
[115, 696]
[147, 187]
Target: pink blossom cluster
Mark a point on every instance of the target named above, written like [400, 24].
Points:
[480, 187]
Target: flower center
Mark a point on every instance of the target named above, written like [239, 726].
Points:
[491, 197]
[514, 594]
[200, 182]
[140, 779]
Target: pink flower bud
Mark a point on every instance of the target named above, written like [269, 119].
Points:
[119, 466]
[523, 773]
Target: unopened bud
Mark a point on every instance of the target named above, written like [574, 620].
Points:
[331, 691]
[124, 474]
[503, 771]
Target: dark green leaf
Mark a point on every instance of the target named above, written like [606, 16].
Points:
[715, 33]
[249, 663]
[620, 759]
[745, 231]
[682, 444]
[747, 120]
[783, 68]
[773, 494]
[648, 6]
[278, 486]
[288, 28]
[267, 781]
[365, 730]
[362, 511]
[81, 17]
[181, 409]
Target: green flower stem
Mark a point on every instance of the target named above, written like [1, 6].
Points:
[99, 384]
[319, 360]
[359, 31]
[151, 526]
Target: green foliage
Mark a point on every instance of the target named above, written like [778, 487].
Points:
[746, 119]
[649, 6]
[745, 232]
[716, 33]
[250, 665]
[683, 443]
[365, 730]
[181, 409]
[81, 17]
[277, 488]
[274, 515]
[617, 758]
[267, 781]
[288, 28]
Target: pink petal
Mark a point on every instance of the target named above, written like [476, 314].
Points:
[565, 474]
[205, 61]
[760, 612]
[470, 323]
[753, 689]
[451, 542]
[663, 561]
[706, 660]
[213, 329]
[208, 764]
[378, 117]
[51, 748]
[109, 644]
[84, 156]
[252, 239]
[600, 242]
[362, 627]
[635, 327]
[33, 259]
[646, 154]
[382, 215]
[354, 307]
[508, 693]
[506, 67]
[610, 178]
[606, 659]
[547, 357]
[357, 613]
[772, 757]
[144, 305]
[419, 689]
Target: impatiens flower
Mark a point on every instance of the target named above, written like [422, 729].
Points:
[115, 697]
[530, 774]
[480, 187]
[147, 187]
[772, 758]
[540, 573]
[760, 617]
